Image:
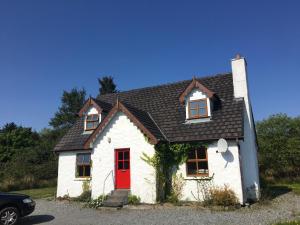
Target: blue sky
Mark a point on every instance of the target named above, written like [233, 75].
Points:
[50, 46]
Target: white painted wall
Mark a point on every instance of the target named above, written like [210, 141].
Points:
[67, 183]
[91, 110]
[123, 134]
[196, 94]
[248, 147]
[223, 167]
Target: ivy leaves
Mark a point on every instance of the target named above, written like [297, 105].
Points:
[167, 157]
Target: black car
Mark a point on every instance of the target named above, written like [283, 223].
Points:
[14, 206]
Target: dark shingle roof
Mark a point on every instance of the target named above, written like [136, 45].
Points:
[104, 105]
[160, 111]
[74, 138]
[146, 119]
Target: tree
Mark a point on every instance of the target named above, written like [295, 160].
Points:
[26, 157]
[71, 103]
[13, 138]
[279, 146]
[9, 127]
[107, 85]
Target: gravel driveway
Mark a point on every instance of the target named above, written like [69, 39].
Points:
[50, 212]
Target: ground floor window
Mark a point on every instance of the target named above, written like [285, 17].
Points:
[197, 162]
[83, 165]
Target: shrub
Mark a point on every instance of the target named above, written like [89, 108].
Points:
[96, 203]
[176, 191]
[27, 182]
[221, 196]
[134, 200]
[66, 197]
[84, 197]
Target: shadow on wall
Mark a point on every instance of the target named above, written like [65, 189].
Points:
[36, 219]
[228, 157]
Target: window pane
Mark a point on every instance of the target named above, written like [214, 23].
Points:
[86, 158]
[95, 124]
[193, 112]
[194, 105]
[126, 164]
[89, 125]
[95, 117]
[202, 103]
[191, 168]
[120, 165]
[80, 171]
[202, 111]
[79, 159]
[126, 155]
[87, 171]
[201, 153]
[83, 158]
[89, 117]
[203, 165]
[120, 155]
[191, 154]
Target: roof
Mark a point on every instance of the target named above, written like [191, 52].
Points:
[159, 110]
[74, 139]
[140, 118]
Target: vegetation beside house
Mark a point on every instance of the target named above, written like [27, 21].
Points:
[279, 155]
[38, 193]
[26, 157]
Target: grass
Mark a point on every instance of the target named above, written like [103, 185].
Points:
[271, 189]
[295, 222]
[293, 186]
[37, 193]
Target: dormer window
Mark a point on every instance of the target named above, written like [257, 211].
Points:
[198, 108]
[198, 102]
[91, 121]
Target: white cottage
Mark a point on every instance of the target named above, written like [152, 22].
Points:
[104, 148]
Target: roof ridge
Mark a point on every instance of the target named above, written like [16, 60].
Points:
[170, 83]
[160, 130]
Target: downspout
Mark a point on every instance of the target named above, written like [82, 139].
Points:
[241, 170]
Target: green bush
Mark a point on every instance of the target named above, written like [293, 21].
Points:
[84, 197]
[221, 196]
[134, 200]
[172, 198]
[96, 203]
[279, 147]
[66, 197]
[176, 189]
[26, 158]
[27, 182]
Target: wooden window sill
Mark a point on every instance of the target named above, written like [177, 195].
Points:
[82, 178]
[199, 177]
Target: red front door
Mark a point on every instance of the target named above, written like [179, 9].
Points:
[122, 168]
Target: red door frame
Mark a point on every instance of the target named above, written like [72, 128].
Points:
[122, 176]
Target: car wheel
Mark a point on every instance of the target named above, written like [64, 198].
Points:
[9, 216]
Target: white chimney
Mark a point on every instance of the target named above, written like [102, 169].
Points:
[240, 84]
[248, 146]
[239, 75]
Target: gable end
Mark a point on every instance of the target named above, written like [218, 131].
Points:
[120, 107]
[195, 84]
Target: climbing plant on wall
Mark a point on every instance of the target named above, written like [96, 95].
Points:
[166, 160]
